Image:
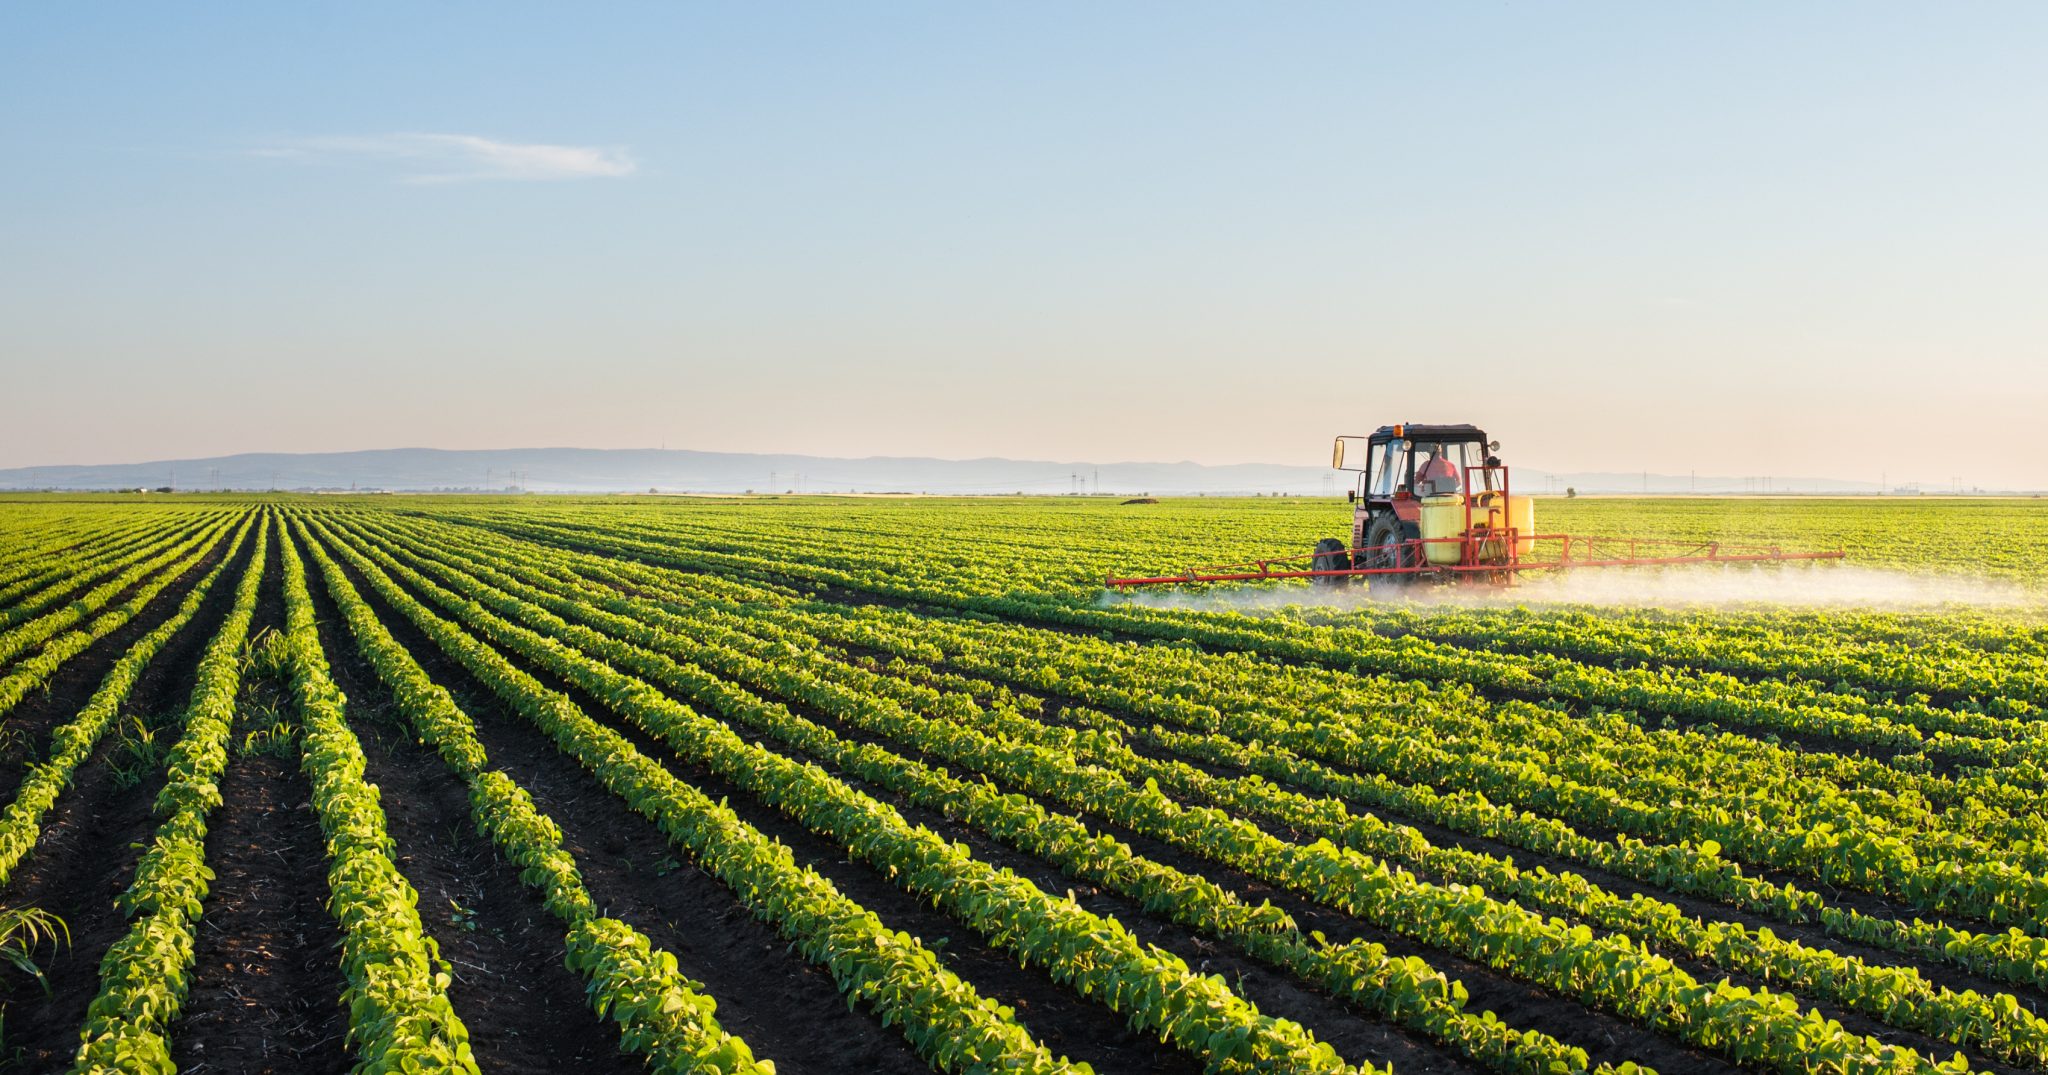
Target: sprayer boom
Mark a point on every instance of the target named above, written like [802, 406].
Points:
[1413, 558]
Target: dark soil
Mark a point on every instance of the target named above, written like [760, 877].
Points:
[266, 976]
[1708, 910]
[786, 1008]
[1063, 1020]
[26, 730]
[1866, 902]
[1604, 1037]
[1275, 992]
[1201, 952]
[94, 833]
[524, 1008]
[1353, 1033]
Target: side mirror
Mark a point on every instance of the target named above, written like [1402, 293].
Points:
[1493, 447]
[1337, 455]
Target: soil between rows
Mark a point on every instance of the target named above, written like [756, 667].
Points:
[25, 732]
[1062, 1020]
[524, 1007]
[1856, 899]
[787, 1009]
[1863, 1024]
[1942, 974]
[266, 977]
[1604, 1037]
[94, 833]
[1353, 1033]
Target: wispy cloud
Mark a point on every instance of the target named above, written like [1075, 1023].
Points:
[459, 158]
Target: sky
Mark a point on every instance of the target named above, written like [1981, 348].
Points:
[1742, 239]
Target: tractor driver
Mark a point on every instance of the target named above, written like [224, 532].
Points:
[1437, 476]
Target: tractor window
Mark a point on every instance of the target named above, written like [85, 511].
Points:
[1389, 470]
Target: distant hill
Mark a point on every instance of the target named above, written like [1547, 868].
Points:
[602, 470]
[638, 470]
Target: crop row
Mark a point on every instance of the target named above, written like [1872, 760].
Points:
[1403, 989]
[400, 1018]
[1608, 971]
[145, 975]
[47, 574]
[1096, 956]
[1773, 819]
[661, 1014]
[887, 971]
[72, 742]
[20, 637]
[1772, 705]
[1098, 671]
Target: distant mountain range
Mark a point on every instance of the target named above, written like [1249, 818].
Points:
[613, 470]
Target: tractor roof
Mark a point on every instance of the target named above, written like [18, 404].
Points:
[1429, 433]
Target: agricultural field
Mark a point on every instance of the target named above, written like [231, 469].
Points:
[869, 785]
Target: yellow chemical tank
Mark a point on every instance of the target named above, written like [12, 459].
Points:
[1443, 517]
[1516, 512]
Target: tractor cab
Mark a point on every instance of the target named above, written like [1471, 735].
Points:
[1403, 462]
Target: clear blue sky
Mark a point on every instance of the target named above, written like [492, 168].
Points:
[1763, 238]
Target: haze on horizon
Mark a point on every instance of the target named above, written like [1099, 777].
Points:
[1753, 239]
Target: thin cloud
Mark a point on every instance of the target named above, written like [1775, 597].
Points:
[459, 158]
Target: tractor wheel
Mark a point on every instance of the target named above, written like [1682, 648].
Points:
[1332, 555]
[1386, 530]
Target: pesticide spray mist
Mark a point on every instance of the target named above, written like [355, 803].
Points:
[1694, 586]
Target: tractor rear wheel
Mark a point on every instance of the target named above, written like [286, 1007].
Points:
[1332, 555]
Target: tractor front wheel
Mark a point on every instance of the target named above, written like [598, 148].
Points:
[1331, 555]
[1384, 537]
